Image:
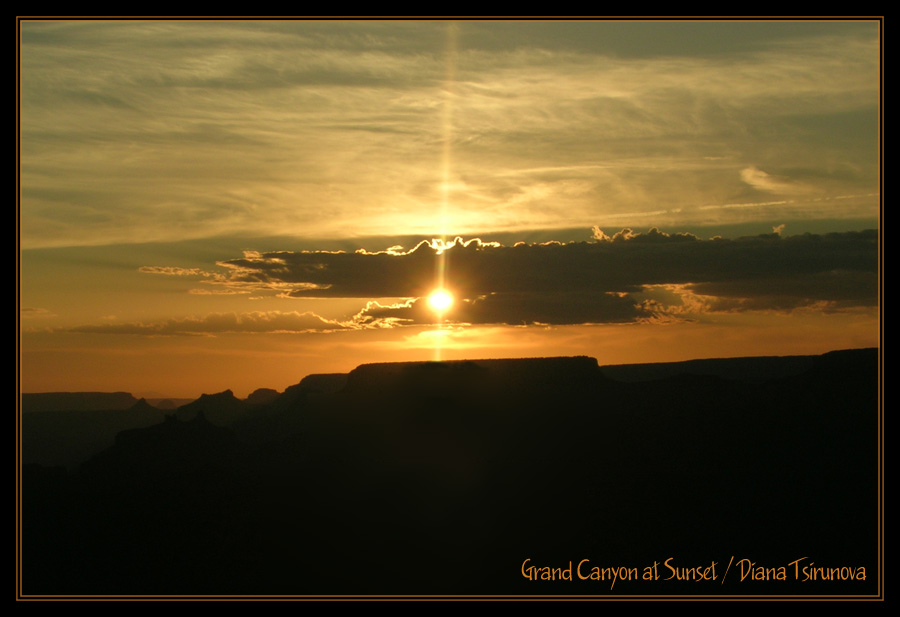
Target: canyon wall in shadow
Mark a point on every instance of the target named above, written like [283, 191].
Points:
[444, 478]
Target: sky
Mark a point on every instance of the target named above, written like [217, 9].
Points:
[211, 205]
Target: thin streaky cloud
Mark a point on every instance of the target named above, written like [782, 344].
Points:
[152, 131]
[221, 323]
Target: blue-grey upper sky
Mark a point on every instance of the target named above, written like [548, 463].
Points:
[136, 131]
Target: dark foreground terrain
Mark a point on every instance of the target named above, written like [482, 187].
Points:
[478, 477]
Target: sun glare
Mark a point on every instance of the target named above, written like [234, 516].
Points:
[440, 300]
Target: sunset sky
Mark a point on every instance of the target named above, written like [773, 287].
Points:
[208, 205]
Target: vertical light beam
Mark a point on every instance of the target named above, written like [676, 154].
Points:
[451, 60]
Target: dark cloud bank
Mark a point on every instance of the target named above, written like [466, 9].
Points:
[583, 282]
[625, 277]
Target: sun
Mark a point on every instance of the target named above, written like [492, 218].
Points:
[440, 300]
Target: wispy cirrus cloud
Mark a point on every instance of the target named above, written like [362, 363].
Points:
[221, 323]
[174, 271]
[145, 131]
[218, 292]
[763, 181]
[31, 312]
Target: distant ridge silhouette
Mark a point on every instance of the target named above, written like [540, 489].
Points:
[221, 409]
[443, 478]
[262, 396]
[76, 401]
[323, 383]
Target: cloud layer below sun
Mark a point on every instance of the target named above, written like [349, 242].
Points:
[628, 277]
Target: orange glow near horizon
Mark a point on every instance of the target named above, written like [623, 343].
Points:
[173, 366]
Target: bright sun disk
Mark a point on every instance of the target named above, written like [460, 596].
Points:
[440, 300]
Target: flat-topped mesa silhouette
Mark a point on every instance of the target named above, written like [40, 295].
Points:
[76, 401]
[753, 369]
[455, 378]
[323, 383]
[442, 477]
